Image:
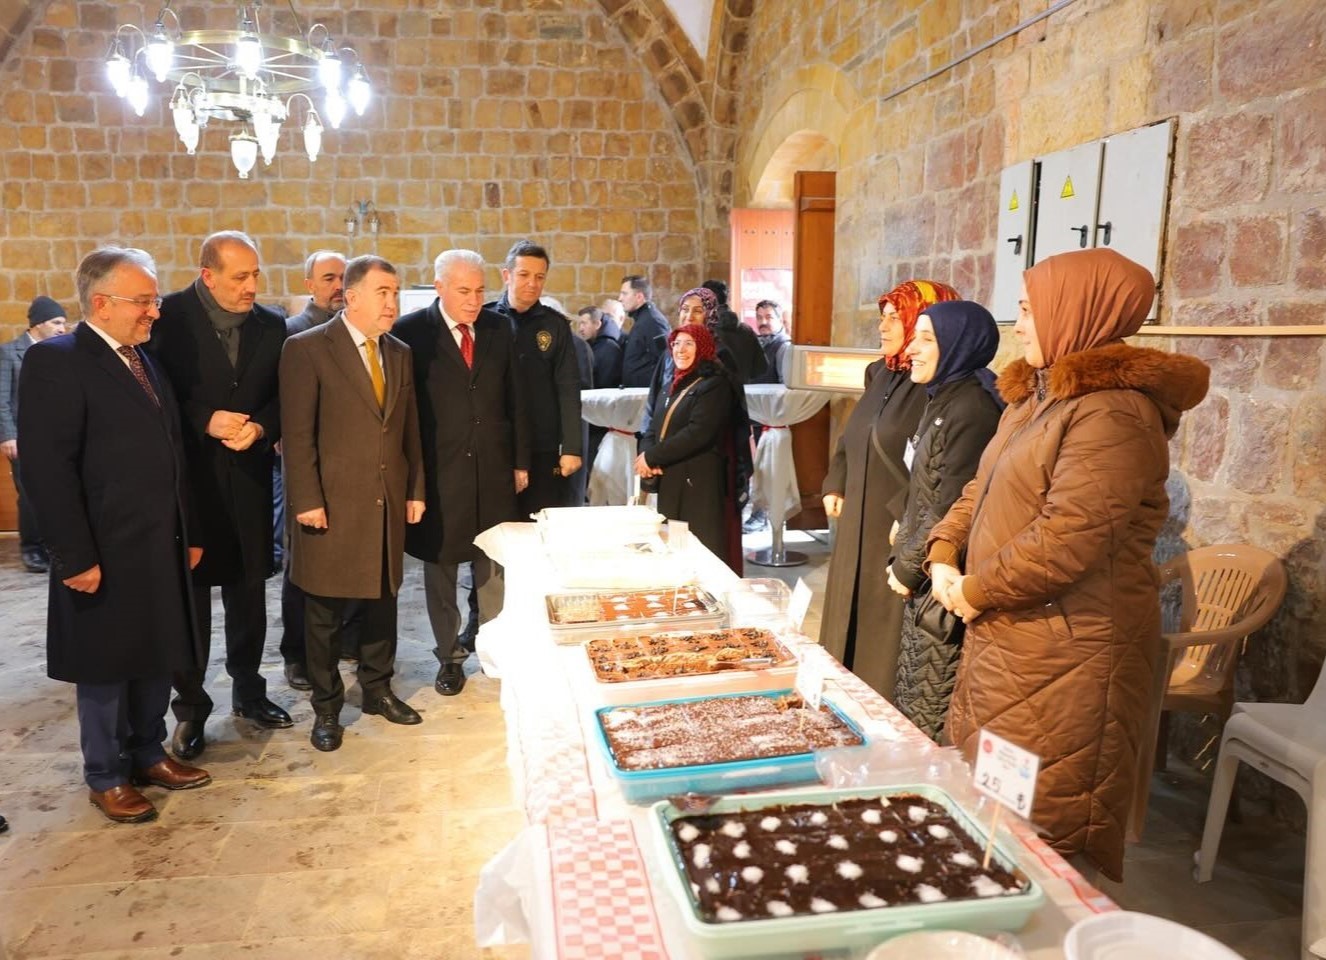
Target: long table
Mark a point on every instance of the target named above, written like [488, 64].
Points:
[574, 883]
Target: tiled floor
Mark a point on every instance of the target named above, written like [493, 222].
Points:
[373, 851]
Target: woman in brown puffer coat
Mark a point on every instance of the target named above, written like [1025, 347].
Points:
[1061, 595]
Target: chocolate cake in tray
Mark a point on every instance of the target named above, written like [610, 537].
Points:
[654, 656]
[779, 875]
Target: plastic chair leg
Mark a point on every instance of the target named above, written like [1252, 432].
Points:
[1227, 768]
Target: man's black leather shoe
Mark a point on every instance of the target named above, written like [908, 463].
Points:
[3, 825]
[35, 561]
[188, 740]
[450, 679]
[264, 713]
[392, 708]
[327, 732]
[296, 676]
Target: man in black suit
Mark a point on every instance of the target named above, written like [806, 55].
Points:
[649, 332]
[103, 460]
[221, 352]
[550, 379]
[46, 318]
[476, 445]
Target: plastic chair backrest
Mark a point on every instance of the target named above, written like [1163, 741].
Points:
[1229, 591]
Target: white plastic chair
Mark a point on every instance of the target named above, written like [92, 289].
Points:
[1286, 741]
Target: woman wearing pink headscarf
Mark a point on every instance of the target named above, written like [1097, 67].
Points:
[1060, 594]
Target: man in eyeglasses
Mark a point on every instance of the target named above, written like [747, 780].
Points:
[103, 461]
[221, 351]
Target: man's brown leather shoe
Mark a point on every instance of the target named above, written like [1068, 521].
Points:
[172, 775]
[123, 804]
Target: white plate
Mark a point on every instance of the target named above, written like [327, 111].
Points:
[1139, 936]
[941, 945]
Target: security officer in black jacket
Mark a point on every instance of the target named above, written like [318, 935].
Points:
[551, 376]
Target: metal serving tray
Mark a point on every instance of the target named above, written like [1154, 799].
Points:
[579, 616]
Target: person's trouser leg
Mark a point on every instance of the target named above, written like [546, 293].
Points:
[101, 721]
[292, 620]
[278, 513]
[377, 645]
[191, 700]
[322, 629]
[443, 613]
[246, 635]
[490, 587]
[29, 538]
[145, 713]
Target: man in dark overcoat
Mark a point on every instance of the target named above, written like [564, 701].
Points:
[103, 461]
[550, 379]
[476, 445]
[221, 350]
[354, 479]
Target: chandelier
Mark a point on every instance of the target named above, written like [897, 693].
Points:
[241, 76]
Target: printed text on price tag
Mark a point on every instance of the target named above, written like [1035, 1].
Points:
[1006, 773]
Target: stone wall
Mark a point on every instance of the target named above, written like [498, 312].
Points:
[493, 120]
[1246, 242]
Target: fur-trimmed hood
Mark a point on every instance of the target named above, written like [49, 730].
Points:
[1174, 382]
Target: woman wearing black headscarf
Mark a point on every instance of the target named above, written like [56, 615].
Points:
[953, 343]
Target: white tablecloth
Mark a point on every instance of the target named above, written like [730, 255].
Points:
[576, 882]
[620, 410]
[774, 486]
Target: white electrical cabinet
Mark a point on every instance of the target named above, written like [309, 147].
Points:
[1134, 192]
[1013, 242]
[1066, 207]
[1109, 193]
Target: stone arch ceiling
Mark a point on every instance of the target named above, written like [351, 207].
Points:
[700, 91]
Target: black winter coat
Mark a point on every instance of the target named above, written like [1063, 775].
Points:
[744, 346]
[646, 342]
[104, 468]
[550, 376]
[954, 430]
[474, 428]
[607, 361]
[232, 490]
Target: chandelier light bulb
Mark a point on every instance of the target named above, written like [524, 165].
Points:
[329, 67]
[248, 54]
[244, 152]
[312, 137]
[160, 53]
[137, 93]
[189, 137]
[359, 91]
[335, 106]
[118, 69]
[268, 130]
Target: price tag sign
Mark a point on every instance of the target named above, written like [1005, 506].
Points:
[810, 677]
[799, 605]
[1006, 772]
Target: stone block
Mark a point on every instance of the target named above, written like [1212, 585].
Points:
[1308, 237]
[1259, 446]
[1073, 113]
[1196, 257]
[1275, 55]
[1283, 313]
[1308, 438]
[1233, 360]
[1227, 159]
[1257, 250]
[1181, 75]
[1302, 132]
[1206, 426]
[1292, 363]
[945, 162]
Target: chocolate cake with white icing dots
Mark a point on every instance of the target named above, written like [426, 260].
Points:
[860, 853]
[621, 606]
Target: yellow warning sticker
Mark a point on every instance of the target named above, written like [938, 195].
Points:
[1067, 192]
[1013, 204]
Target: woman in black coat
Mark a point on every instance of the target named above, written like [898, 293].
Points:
[689, 446]
[953, 343]
[866, 489]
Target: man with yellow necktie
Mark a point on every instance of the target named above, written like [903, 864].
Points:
[354, 479]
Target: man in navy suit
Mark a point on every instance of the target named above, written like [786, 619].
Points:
[103, 460]
[476, 442]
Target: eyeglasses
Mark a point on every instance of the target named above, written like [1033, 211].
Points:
[142, 303]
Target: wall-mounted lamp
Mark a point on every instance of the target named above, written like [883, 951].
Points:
[362, 217]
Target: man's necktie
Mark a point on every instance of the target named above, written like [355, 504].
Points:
[466, 344]
[375, 373]
[139, 372]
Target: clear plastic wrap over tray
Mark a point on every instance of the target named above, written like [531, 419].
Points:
[596, 528]
[574, 617]
[857, 930]
[758, 602]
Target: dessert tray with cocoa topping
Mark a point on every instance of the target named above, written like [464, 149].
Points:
[718, 743]
[574, 617]
[788, 874]
[649, 657]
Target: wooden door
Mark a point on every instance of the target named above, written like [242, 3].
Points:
[812, 305]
